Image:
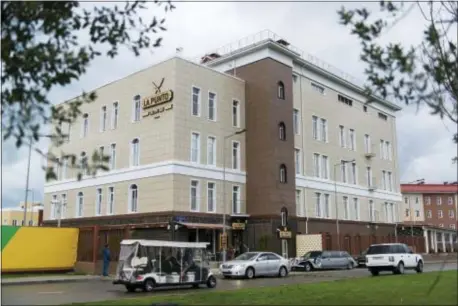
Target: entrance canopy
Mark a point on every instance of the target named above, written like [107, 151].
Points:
[203, 225]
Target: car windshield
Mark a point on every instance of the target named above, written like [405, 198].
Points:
[379, 249]
[246, 256]
[312, 254]
[364, 252]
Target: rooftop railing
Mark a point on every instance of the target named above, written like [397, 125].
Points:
[263, 36]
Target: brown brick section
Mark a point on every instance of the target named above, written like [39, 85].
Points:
[265, 152]
[445, 207]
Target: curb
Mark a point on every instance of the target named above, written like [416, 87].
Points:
[49, 281]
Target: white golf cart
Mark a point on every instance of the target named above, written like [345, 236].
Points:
[148, 264]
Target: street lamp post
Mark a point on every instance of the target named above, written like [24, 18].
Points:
[335, 199]
[224, 189]
[27, 181]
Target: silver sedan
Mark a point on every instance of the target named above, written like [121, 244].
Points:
[253, 264]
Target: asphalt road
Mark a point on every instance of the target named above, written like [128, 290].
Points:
[98, 290]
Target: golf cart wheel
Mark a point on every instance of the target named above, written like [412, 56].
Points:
[130, 288]
[308, 267]
[374, 272]
[149, 285]
[419, 267]
[249, 273]
[282, 272]
[399, 269]
[211, 282]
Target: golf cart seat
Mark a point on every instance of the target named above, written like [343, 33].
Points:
[139, 262]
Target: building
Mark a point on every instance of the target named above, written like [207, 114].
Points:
[15, 215]
[257, 129]
[436, 202]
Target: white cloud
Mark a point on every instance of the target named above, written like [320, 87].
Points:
[425, 146]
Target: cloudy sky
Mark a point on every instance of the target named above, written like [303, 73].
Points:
[424, 142]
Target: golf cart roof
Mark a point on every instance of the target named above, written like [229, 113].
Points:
[164, 243]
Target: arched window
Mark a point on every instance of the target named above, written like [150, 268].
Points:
[133, 198]
[281, 90]
[135, 152]
[85, 127]
[79, 204]
[283, 174]
[84, 165]
[282, 131]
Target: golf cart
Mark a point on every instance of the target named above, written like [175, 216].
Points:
[148, 264]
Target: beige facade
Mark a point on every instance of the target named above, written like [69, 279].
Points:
[15, 215]
[164, 146]
[412, 207]
[172, 174]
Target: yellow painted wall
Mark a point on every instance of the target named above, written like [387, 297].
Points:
[40, 249]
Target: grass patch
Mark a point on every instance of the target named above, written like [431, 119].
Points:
[382, 290]
[38, 274]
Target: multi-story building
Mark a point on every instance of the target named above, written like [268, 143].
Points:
[15, 215]
[249, 132]
[438, 202]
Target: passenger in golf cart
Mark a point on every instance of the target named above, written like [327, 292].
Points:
[147, 264]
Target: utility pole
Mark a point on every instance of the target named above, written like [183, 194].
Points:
[27, 181]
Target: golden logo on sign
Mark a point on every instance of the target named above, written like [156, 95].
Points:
[238, 226]
[160, 97]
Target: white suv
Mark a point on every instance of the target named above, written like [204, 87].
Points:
[395, 257]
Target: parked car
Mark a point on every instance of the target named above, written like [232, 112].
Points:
[323, 260]
[254, 264]
[361, 258]
[394, 257]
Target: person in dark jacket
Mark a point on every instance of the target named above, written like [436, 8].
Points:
[106, 260]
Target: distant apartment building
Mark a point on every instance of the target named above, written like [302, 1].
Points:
[252, 132]
[15, 215]
[431, 204]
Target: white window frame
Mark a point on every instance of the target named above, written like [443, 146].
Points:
[103, 118]
[352, 139]
[199, 101]
[238, 155]
[299, 206]
[390, 180]
[327, 206]
[136, 114]
[371, 211]
[63, 174]
[342, 138]
[213, 147]
[129, 200]
[213, 197]
[450, 201]
[384, 180]
[98, 201]
[343, 172]
[452, 226]
[237, 115]
[238, 205]
[114, 115]
[354, 173]
[324, 172]
[438, 200]
[318, 206]
[135, 160]
[316, 165]
[346, 205]
[78, 204]
[53, 206]
[429, 214]
[198, 148]
[214, 106]
[296, 122]
[110, 206]
[57, 168]
[367, 144]
[315, 128]
[428, 200]
[63, 205]
[390, 151]
[112, 160]
[323, 127]
[440, 214]
[85, 125]
[369, 176]
[356, 207]
[14, 222]
[298, 160]
[382, 142]
[197, 195]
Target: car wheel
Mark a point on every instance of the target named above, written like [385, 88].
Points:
[130, 288]
[149, 285]
[308, 267]
[399, 269]
[350, 266]
[249, 273]
[211, 282]
[282, 272]
[419, 267]
[374, 272]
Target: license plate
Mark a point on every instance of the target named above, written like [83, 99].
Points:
[378, 257]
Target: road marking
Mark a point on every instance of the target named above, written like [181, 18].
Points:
[51, 292]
